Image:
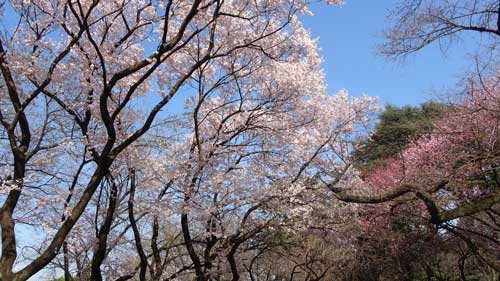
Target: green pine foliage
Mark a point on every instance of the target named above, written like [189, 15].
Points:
[397, 127]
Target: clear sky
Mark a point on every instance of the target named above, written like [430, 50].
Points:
[348, 36]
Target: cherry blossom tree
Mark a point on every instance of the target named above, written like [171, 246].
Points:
[97, 160]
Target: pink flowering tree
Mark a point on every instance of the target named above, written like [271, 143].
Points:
[448, 178]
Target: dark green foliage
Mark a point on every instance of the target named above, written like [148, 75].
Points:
[396, 128]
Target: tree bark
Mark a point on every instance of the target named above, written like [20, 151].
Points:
[100, 253]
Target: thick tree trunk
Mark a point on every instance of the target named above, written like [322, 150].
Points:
[9, 251]
[232, 263]
[200, 276]
[100, 252]
[67, 274]
[137, 236]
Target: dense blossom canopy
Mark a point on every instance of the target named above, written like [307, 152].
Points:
[93, 134]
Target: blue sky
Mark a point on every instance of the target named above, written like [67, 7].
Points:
[348, 36]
